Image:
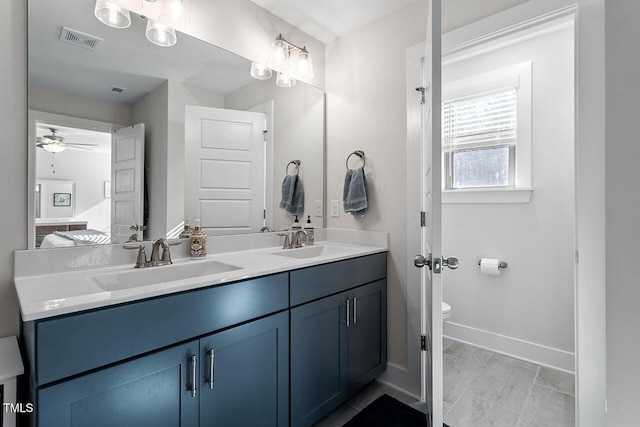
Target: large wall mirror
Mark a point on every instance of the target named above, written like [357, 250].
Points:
[211, 142]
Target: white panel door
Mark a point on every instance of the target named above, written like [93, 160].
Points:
[431, 279]
[127, 183]
[224, 169]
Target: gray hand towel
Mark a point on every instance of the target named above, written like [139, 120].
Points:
[292, 195]
[354, 194]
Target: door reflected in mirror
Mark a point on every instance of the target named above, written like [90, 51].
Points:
[231, 186]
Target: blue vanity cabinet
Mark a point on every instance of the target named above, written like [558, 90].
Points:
[138, 364]
[338, 342]
[152, 390]
[245, 380]
[318, 359]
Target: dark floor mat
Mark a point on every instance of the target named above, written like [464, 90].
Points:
[386, 411]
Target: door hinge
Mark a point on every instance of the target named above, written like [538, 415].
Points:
[264, 214]
[423, 343]
[577, 257]
[423, 219]
[422, 91]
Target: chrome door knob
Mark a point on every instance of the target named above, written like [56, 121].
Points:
[451, 262]
[420, 261]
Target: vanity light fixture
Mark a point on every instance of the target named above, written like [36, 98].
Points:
[162, 19]
[109, 13]
[260, 71]
[284, 80]
[294, 59]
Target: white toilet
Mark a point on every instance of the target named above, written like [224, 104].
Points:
[446, 311]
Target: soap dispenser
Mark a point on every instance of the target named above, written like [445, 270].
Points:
[186, 231]
[308, 227]
[296, 225]
[198, 242]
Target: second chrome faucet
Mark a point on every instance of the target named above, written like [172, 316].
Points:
[295, 241]
[156, 259]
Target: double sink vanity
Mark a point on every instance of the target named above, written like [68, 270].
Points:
[253, 335]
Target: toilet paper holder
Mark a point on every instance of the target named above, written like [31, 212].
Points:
[501, 264]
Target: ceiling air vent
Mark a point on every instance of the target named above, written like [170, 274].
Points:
[78, 38]
[116, 90]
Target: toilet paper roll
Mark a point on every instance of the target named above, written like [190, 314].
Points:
[490, 266]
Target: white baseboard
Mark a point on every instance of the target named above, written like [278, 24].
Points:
[535, 353]
[398, 378]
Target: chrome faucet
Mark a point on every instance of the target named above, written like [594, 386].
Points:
[156, 259]
[287, 242]
[296, 238]
[155, 253]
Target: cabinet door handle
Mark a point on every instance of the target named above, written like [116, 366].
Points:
[193, 360]
[348, 312]
[212, 355]
[355, 310]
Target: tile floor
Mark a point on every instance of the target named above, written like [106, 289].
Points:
[482, 388]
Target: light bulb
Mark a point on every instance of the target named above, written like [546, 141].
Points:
[175, 13]
[260, 72]
[54, 148]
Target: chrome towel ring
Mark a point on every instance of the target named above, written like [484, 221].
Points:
[358, 153]
[296, 163]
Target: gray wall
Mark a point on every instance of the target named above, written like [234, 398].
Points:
[13, 161]
[152, 110]
[59, 102]
[298, 134]
[623, 202]
[366, 109]
[533, 299]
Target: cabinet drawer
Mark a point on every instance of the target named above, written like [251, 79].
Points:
[316, 282]
[73, 344]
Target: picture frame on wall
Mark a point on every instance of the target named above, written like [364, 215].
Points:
[61, 199]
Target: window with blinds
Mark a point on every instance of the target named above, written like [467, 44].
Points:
[479, 140]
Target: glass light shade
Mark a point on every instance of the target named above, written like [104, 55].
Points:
[111, 14]
[160, 34]
[280, 52]
[304, 65]
[54, 148]
[260, 72]
[175, 14]
[283, 80]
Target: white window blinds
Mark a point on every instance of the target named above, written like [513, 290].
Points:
[480, 121]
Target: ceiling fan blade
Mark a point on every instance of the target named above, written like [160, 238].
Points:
[73, 147]
[75, 143]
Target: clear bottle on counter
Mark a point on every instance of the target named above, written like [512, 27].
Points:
[308, 227]
[198, 242]
[186, 231]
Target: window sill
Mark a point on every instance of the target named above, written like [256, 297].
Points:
[517, 195]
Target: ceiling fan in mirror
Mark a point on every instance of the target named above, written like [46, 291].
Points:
[56, 144]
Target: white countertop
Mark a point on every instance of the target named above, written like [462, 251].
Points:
[51, 294]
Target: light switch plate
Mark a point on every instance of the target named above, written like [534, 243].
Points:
[335, 208]
[318, 208]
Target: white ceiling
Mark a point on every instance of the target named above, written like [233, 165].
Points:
[327, 19]
[126, 58]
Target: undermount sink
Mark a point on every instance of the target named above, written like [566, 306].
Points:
[311, 251]
[152, 275]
